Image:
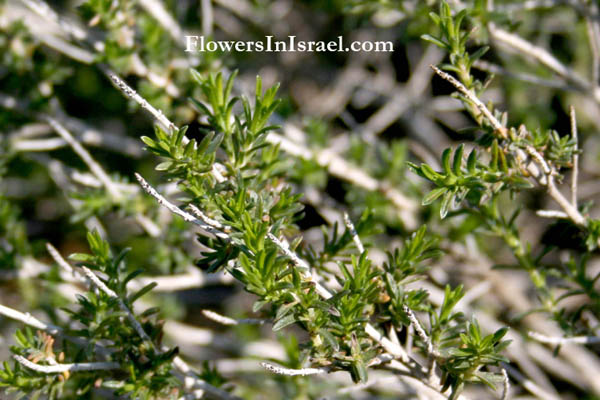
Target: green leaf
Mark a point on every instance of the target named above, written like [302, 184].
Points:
[489, 378]
[495, 150]
[148, 141]
[433, 195]
[132, 298]
[285, 321]
[81, 257]
[429, 173]
[197, 76]
[359, 372]
[164, 166]
[446, 204]
[432, 39]
[457, 162]
[472, 161]
[435, 18]
[329, 340]
[446, 161]
[132, 275]
[479, 53]
[458, 20]
[499, 334]
[258, 305]
[150, 311]
[284, 310]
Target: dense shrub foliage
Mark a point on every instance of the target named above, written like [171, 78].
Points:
[415, 223]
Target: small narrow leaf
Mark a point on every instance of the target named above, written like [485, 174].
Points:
[472, 161]
[132, 298]
[446, 204]
[446, 161]
[457, 162]
[432, 39]
[283, 322]
[433, 195]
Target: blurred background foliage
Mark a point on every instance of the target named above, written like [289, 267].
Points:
[374, 110]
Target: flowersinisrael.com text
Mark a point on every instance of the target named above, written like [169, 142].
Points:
[201, 44]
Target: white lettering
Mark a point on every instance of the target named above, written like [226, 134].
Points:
[191, 43]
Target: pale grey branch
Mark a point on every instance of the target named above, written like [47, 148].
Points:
[178, 211]
[223, 320]
[276, 369]
[355, 237]
[60, 368]
[563, 340]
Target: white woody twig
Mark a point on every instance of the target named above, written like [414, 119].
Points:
[192, 381]
[323, 292]
[157, 10]
[80, 34]
[529, 385]
[387, 344]
[294, 257]
[207, 17]
[100, 285]
[563, 340]
[473, 98]
[505, 385]
[540, 54]
[592, 33]
[86, 157]
[184, 334]
[524, 77]
[131, 93]
[552, 214]
[68, 270]
[209, 221]
[432, 353]
[30, 320]
[575, 172]
[276, 369]
[24, 139]
[89, 137]
[58, 125]
[419, 330]
[527, 5]
[178, 211]
[38, 144]
[223, 320]
[70, 28]
[60, 368]
[355, 237]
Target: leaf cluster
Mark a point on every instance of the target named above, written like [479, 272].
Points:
[103, 331]
[476, 181]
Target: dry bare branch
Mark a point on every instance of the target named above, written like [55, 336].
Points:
[60, 368]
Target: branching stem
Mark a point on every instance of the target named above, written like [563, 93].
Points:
[544, 177]
[60, 368]
[223, 320]
[276, 369]
[355, 237]
[563, 340]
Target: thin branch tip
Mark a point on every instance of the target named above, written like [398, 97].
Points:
[276, 369]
